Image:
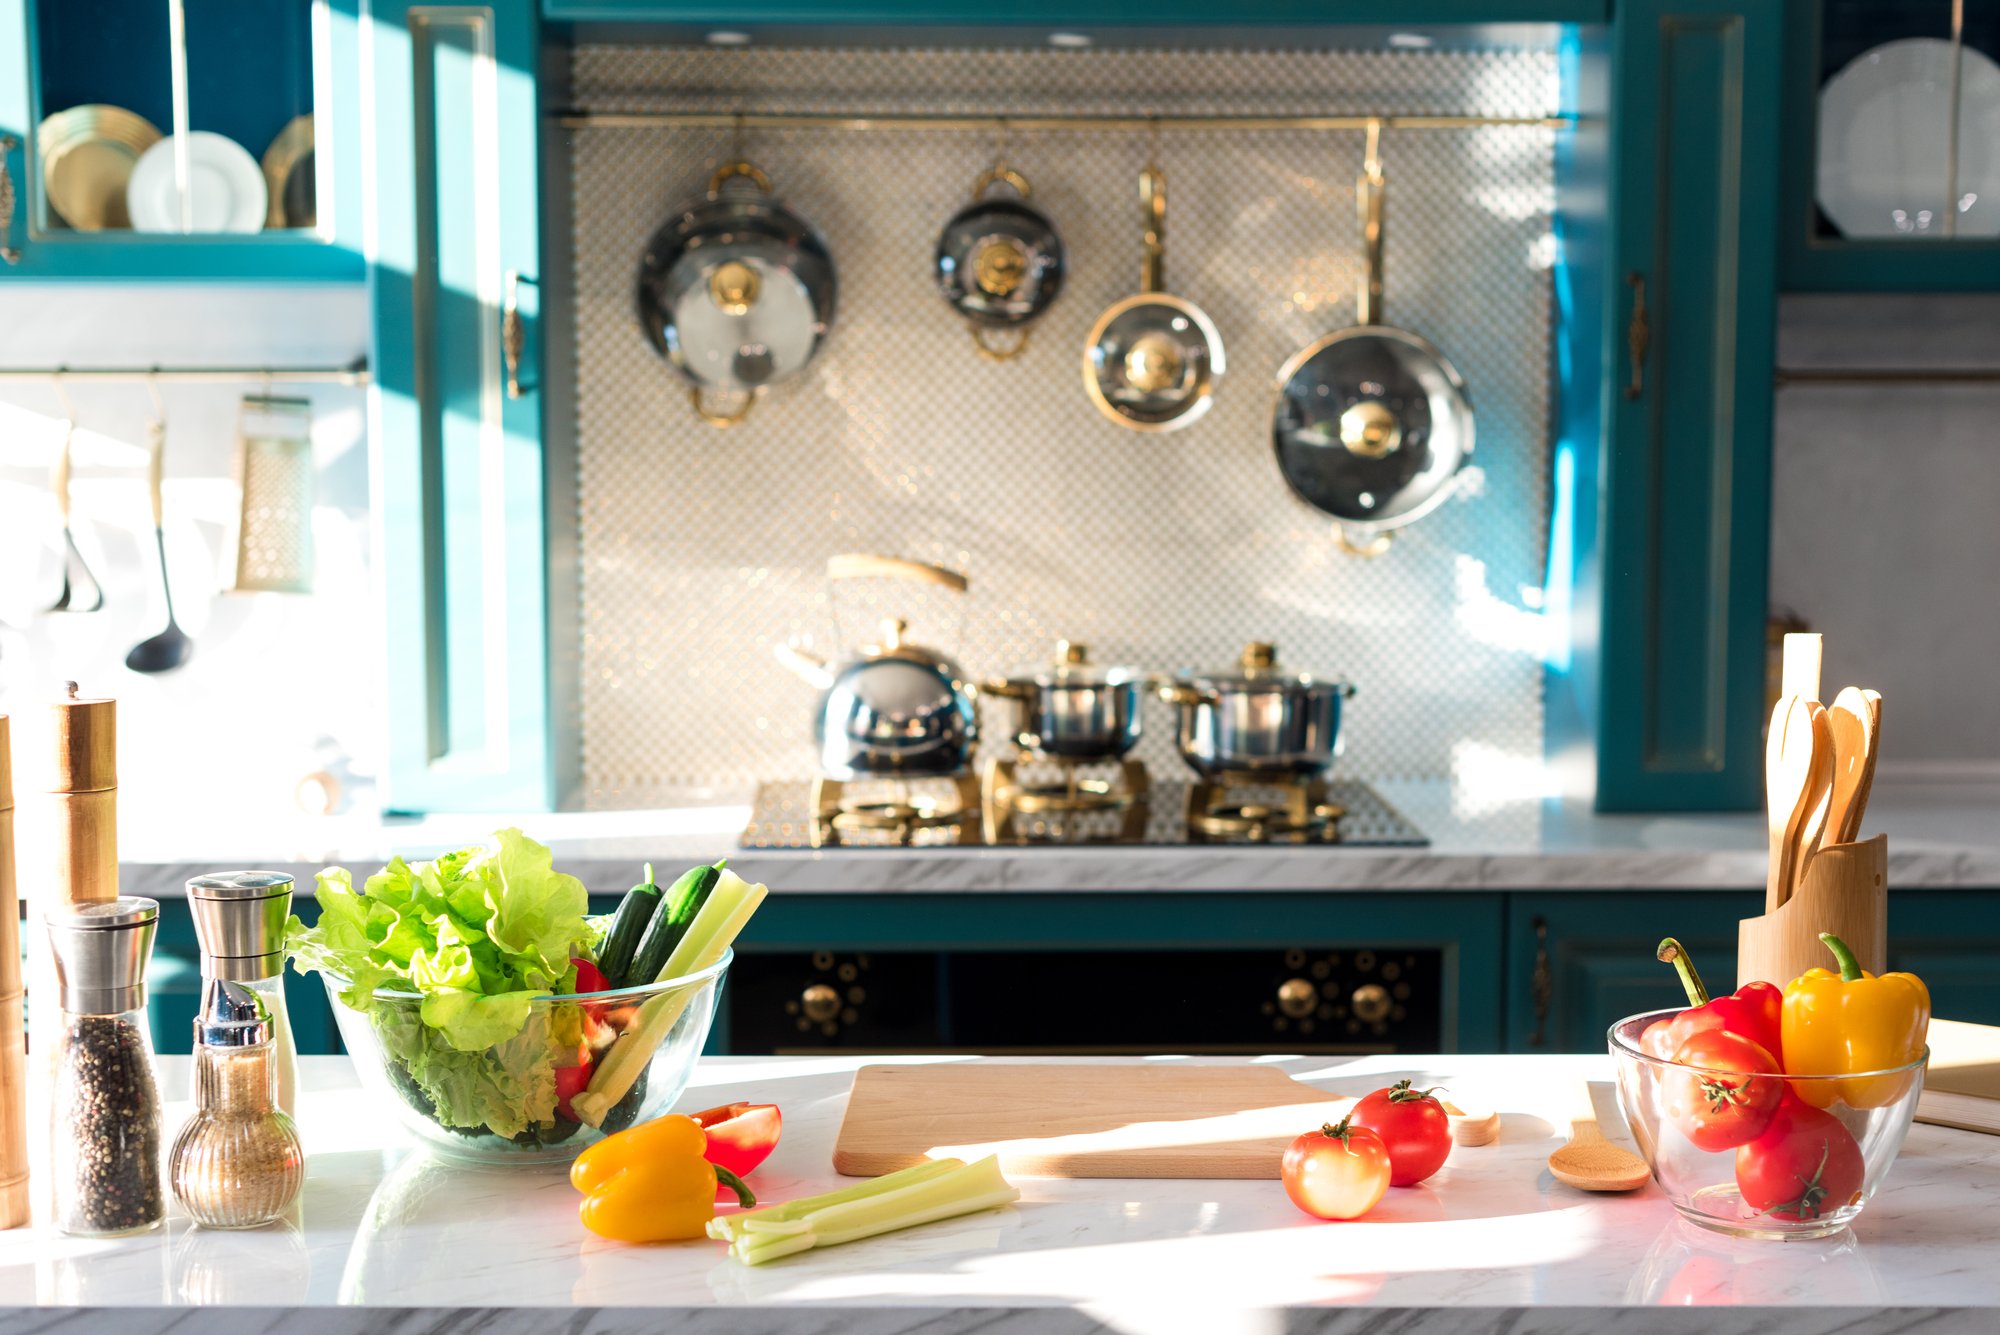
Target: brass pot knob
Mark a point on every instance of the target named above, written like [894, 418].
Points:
[821, 1003]
[1370, 1002]
[1260, 654]
[1070, 654]
[1000, 266]
[1370, 429]
[1298, 998]
[734, 287]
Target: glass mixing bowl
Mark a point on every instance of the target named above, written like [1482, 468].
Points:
[504, 1091]
[1824, 1150]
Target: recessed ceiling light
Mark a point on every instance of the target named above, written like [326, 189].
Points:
[1069, 40]
[1411, 41]
[728, 38]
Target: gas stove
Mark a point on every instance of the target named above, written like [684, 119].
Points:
[1035, 804]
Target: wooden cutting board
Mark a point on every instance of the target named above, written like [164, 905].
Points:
[1177, 1120]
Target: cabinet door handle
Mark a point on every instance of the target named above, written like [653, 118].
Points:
[8, 143]
[513, 333]
[1638, 336]
[1542, 984]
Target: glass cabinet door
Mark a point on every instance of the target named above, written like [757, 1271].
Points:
[182, 139]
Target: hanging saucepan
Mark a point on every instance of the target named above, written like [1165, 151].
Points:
[1152, 360]
[736, 292]
[1372, 423]
[1000, 263]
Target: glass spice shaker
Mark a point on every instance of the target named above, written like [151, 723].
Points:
[237, 1162]
[239, 920]
[104, 1109]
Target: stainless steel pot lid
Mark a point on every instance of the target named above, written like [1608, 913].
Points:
[1072, 667]
[1000, 262]
[1257, 668]
[1152, 360]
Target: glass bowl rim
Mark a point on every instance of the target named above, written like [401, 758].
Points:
[614, 994]
[1620, 1047]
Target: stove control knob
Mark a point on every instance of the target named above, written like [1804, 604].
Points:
[1371, 1002]
[1297, 997]
[821, 1003]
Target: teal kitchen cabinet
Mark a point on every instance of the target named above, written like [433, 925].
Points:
[252, 70]
[1182, 15]
[463, 497]
[1951, 940]
[1681, 558]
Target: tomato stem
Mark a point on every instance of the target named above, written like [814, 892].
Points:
[1843, 955]
[1674, 953]
[1339, 1133]
[1401, 1092]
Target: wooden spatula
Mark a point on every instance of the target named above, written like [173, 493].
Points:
[1590, 1162]
[1815, 825]
[1798, 758]
[1852, 722]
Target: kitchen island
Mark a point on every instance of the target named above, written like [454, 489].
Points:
[1491, 1242]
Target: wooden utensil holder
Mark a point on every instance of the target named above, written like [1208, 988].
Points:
[1845, 891]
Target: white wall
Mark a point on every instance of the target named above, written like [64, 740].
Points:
[279, 684]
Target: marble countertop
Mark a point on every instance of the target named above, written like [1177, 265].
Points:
[384, 1224]
[1941, 835]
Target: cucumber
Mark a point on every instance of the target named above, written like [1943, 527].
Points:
[628, 926]
[670, 924]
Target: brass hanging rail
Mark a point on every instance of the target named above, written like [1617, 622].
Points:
[1886, 376]
[355, 373]
[810, 120]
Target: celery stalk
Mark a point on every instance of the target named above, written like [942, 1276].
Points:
[725, 1228]
[964, 1189]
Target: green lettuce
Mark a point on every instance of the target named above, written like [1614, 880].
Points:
[478, 934]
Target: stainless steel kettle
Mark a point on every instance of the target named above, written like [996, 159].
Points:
[893, 709]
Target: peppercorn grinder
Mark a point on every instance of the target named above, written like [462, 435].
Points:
[104, 1105]
[239, 921]
[237, 1162]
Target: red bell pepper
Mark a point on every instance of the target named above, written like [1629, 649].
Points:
[740, 1135]
[1754, 1012]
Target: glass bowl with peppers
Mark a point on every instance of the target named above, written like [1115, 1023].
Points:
[1775, 1112]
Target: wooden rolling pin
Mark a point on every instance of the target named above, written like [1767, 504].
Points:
[13, 1031]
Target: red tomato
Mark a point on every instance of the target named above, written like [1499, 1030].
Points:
[1804, 1166]
[1721, 1111]
[570, 1082]
[1337, 1172]
[1414, 1127]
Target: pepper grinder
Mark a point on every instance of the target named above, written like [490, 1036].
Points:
[239, 920]
[237, 1162]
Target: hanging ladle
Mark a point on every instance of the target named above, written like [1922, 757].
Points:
[170, 648]
[59, 484]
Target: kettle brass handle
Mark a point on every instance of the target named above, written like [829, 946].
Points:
[867, 565]
[997, 174]
[8, 143]
[1005, 352]
[721, 419]
[1638, 336]
[730, 170]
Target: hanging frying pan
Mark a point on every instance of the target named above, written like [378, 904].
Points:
[1000, 263]
[1372, 424]
[1152, 360]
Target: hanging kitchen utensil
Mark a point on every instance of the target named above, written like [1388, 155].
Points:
[59, 484]
[1152, 360]
[1000, 263]
[274, 469]
[736, 293]
[170, 648]
[1372, 423]
[894, 708]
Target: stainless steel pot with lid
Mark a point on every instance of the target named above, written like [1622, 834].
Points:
[1000, 263]
[1258, 718]
[1372, 423]
[1073, 709]
[1152, 360]
[893, 709]
[737, 292]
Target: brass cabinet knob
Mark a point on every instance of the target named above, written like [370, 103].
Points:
[1370, 1002]
[1298, 998]
[821, 1003]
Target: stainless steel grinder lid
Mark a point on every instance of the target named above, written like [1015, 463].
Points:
[101, 951]
[239, 919]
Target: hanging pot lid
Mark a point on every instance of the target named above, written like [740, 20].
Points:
[1152, 360]
[737, 292]
[1372, 423]
[1000, 263]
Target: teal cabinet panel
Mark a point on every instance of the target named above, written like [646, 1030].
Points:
[1687, 468]
[1072, 16]
[1951, 940]
[34, 249]
[1577, 962]
[458, 406]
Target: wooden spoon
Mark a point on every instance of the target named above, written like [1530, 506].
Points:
[1790, 754]
[1852, 722]
[1816, 803]
[1590, 1162]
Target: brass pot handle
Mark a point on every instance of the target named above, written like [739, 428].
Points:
[8, 143]
[1371, 199]
[1362, 543]
[1002, 689]
[1002, 352]
[1180, 693]
[1000, 173]
[1153, 216]
[1638, 336]
[729, 170]
[721, 419]
[868, 565]
[513, 333]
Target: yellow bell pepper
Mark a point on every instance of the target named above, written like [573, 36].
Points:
[1837, 1023]
[651, 1183]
